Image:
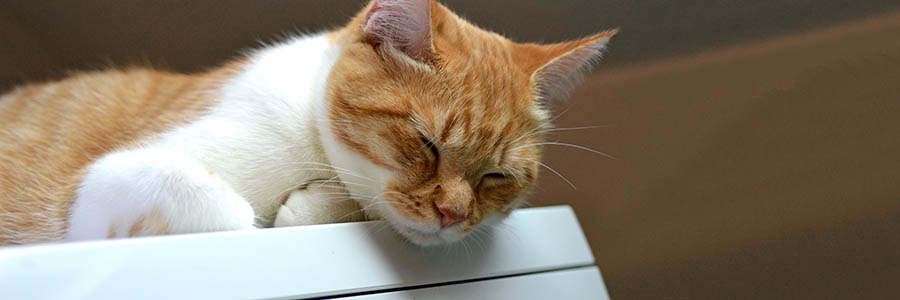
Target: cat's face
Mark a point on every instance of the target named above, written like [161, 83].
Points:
[446, 148]
[436, 129]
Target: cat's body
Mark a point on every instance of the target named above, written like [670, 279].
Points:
[262, 150]
[50, 132]
[395, 116]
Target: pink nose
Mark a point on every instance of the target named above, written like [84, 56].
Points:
[450, 215]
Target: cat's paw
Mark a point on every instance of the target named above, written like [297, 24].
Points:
[318, 203]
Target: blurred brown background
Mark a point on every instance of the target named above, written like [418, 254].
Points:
[756, 142]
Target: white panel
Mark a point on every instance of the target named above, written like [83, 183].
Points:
[295, 262]
[576, 284]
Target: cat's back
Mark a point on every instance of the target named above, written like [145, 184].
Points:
[50, 132]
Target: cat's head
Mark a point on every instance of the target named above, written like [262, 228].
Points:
[435, 124]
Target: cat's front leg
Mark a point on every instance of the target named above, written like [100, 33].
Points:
[319, 202]
[153, 192]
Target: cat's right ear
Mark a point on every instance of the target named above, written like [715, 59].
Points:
[557, 68]
[404, 25]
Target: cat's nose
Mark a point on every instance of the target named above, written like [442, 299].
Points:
[450, 215]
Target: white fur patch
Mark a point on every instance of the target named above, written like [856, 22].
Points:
[124, 187]
[257, 145]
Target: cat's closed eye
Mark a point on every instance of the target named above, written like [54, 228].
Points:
[493, 178]
[428, 144]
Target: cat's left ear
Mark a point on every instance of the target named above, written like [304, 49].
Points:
[557, 68]
[404, 25]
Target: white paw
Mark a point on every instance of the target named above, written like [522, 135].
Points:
[318, 203]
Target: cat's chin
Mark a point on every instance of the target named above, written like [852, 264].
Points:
[425, 239]
[425, 236]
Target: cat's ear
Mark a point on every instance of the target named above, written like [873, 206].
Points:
[404, 25]
[557, 68]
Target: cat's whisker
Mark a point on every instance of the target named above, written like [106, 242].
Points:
[330, 166]
[506, 227]
[379, 226]
[395, 193]
[362, 198]
[545, 126]
[446, 248]
[384, 225]
[379, 196]
[336, 194]
[552, 170]
[336, 169]
[361, 210]
[560, 114]
[539, 128]
[483, 237]
[477, 239]
[559, 129]
[468, 251]
[284, 194]
[375, 201]
[332, 181]
[341, 183]
[372, 225]
[566, 145]
[514, 173]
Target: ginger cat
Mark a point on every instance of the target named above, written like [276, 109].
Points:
[408, 114]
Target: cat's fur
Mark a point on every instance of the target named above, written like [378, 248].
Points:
[415, 115]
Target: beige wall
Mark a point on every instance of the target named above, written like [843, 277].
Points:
[756, 142]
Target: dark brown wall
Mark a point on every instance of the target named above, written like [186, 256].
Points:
[763, 170]
[192, 35]
[755, 142]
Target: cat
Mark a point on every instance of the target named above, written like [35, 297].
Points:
[407, 114]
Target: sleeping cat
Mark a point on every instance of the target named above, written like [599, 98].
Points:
[408, 114]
